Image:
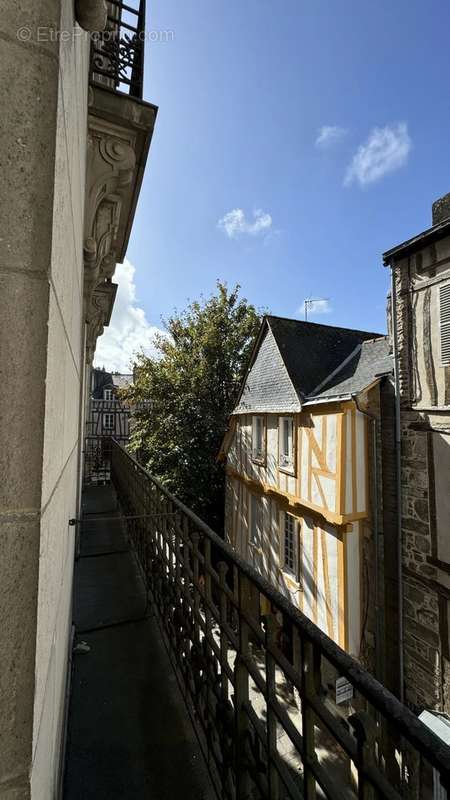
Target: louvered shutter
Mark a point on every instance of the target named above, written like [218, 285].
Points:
[444, 313]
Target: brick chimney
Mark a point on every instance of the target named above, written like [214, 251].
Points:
[441, 209]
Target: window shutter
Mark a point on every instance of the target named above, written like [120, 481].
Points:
[444, 313]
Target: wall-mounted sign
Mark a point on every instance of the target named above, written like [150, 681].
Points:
[344, 690]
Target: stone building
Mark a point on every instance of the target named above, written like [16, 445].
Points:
[420, 329]
[75, 134]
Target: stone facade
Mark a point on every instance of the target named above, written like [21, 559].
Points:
[47, 338]
[418, 272]
[44, 85]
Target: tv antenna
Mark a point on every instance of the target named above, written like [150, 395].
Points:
[309, 303]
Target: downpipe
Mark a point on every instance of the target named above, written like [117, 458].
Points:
[398, 483]
[374, 423]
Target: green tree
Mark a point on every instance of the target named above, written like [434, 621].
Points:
[186, 394]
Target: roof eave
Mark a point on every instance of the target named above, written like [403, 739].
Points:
[341, 398]
[423, 239]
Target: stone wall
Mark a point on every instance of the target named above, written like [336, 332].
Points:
[389, 557]
[422, 640]
[43, 93]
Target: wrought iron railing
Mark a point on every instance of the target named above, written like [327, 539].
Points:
[259, 678]
[117, 54]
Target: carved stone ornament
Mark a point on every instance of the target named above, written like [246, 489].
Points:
[91, 15]
[98, 313]
[111, 162]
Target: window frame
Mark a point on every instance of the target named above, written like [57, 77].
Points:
[293, 574]
[256, 457]
[288, 467]
[107, 394]
[106, 427]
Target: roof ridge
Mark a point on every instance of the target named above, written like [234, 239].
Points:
[322, 325]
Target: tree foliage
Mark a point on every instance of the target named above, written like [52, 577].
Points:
[186, 394]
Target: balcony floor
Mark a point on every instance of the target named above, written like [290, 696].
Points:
[129, 735]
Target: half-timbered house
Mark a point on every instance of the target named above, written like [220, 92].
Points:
[302, 458]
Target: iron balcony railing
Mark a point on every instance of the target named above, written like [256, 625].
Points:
[259, 678]
[117, 53]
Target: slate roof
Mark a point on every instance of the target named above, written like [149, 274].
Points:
[108, 380]
[267, 387]
[311, 352]
[370, 360]
[321, 361]
[121, 381]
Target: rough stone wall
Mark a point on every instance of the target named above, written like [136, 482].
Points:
[391, 653]
[421, 605]
[42, 150]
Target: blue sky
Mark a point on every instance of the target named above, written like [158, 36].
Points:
[244, 90]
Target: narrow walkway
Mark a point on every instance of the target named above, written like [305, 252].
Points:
[130, 735]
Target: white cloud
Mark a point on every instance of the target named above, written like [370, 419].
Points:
[328, 135]
[385, 150]
[321, 306]
[129, 331]
[235, 224]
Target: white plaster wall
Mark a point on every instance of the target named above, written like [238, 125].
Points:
[308, 567]
[272, 449]
[428, 278]
[304, 464]
[348, 466]
[315, 593]
[63, 397]
[361, 466]
[332, 442]
[329, 490]
[353, 589]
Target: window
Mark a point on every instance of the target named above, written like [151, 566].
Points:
[290, 544]
[107, 394]
[108, 421]
[286, 443]
[444, 317]
[256, 521]
[258, 439]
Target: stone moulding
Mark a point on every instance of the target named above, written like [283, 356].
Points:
[119, 135]
[91, 15]
[111, 161]
[100, 309]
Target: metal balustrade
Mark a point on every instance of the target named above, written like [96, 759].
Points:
[117, 54]
[259, 678]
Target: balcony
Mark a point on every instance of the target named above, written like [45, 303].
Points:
[117, 53]
[120, 130]
[272, 707]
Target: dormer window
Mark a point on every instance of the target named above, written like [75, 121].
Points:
[444, 320]
[107, 394]
[258, 439]
[286, 443]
